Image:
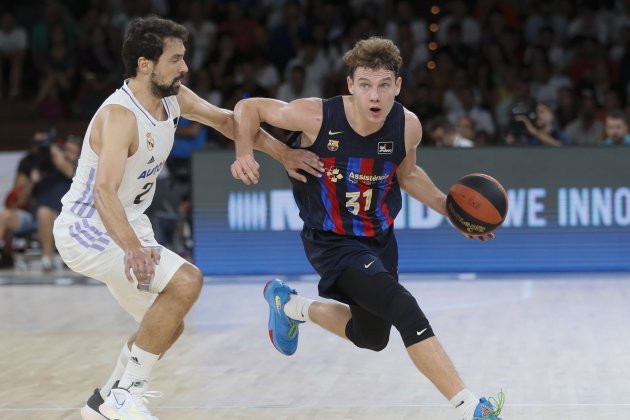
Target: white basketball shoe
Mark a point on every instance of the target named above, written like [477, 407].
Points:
[129, 404]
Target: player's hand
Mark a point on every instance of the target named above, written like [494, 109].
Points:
[482, 238]
[142, 261]
[296, 159]
[246, 168]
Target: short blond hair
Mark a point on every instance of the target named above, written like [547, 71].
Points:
[373, 53]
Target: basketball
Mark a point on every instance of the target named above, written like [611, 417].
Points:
[477, 204]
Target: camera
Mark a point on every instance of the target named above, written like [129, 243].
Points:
[517, 128]
[42, 140]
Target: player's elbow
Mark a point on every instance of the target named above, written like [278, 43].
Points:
[404, 182]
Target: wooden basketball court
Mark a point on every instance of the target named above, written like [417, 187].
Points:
[558, 346]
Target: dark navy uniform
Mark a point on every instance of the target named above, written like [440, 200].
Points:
[349, 212]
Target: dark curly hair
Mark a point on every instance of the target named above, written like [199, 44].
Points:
[144, 37]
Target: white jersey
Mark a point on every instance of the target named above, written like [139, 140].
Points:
[155, 140]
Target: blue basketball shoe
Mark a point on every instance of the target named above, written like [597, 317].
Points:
[489, 410]
[283, 331]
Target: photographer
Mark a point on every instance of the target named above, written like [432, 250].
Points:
[541, 131]
[51, 177]
[17, 218]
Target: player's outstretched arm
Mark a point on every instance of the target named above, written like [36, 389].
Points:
[250, 113]
[195, 108]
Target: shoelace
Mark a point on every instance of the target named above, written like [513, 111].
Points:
[497, 403]
[141, 400]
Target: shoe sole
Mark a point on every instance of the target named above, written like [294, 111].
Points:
[270, 316]
[88, 414]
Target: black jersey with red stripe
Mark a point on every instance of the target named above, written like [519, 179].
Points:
[358, 194]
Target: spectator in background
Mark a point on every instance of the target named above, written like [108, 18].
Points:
[245, 86]
[482, 118]
[314, 61]
[425, 102]
[544, 85]
[17, 218]
[13, 44]
[457, 46]
[267, 75]
[457, 12]
[284, 35]
[40, 32]
[97, 69]
[296, 87]
[566, 110]
[443, 133]
[206, 87]
[467, 129]
[202, 31]
[546, 43]
[223, 61]
[56, 83]
[51, 176]
[586, 129]
[542, 131]
[542, 14]
[616, 129]
[238, 24]
[588, 23]
[405, 14]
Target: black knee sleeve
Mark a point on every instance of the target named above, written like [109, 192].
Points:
[372, 336]
[408, 318]
[388, 303]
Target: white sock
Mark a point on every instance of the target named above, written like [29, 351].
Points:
[121, 363]
[297, 308]
[138, 367]
[465, 402]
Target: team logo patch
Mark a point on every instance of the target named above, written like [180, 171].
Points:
[150, 141]
[333, 174]
[333, 145]
[385, 147]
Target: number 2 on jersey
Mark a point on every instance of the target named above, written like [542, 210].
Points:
[145, 191]
[353, 205]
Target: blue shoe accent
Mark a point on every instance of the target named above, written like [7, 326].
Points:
[283, 331]
[488, 411]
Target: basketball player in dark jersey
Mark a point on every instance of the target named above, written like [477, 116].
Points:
[367, 142]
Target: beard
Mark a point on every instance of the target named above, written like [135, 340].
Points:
[162, 91]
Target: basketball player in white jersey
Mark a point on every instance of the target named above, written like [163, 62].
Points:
[102, 231]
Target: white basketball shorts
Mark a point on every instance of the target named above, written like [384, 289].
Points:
[86, 247]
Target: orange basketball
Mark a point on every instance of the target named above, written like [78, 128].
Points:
[477, 204]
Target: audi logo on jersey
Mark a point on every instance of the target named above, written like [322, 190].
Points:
[153, 171]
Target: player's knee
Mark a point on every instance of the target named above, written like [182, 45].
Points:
[187, 282]
[409, 319]
[376, 343]
[370, 337]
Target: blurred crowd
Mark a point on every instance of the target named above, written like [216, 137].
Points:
[477, 73]
[502, 72]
